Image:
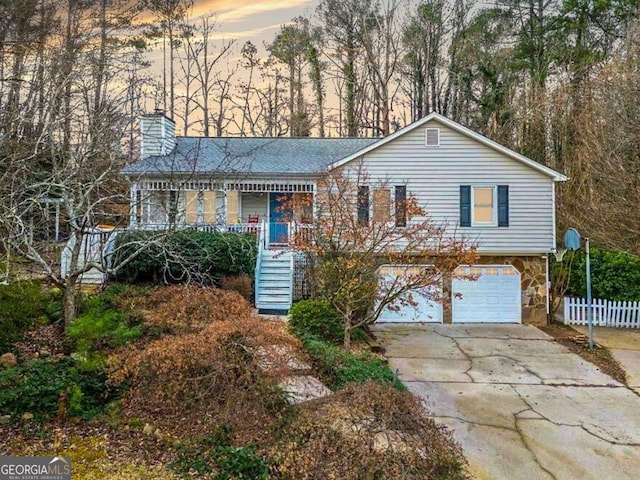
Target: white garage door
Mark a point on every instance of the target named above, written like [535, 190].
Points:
[489, 294]
[426, 309]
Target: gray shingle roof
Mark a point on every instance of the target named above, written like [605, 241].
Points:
[281, 155]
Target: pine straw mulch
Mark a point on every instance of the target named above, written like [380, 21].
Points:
[97, 450]
[43, 338]
[578, 343]
[365, 428]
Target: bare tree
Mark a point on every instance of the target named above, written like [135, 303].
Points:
[345, 248]
[260, 108]
[202, 71]
[342, 22]
[251, 63]
[171, 14]
[603, 194]
[382, 41]
[66, 152]
[424, 37]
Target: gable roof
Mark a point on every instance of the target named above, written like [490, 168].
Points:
[556, 176]
[280, 155]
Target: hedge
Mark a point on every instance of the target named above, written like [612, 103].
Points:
[615, 275]
[184, 255]
[316, 318]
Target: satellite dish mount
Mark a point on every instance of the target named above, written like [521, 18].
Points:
[573, 242]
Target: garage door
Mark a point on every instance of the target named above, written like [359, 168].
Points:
[425, 309]
[489, 294]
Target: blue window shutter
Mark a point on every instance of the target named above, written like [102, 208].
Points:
[465, 205]
[363, 205]
[503, 205]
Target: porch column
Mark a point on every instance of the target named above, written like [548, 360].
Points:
[314, 208]
[181, 206]
[200, 214]
[133, 205]
[145, 197]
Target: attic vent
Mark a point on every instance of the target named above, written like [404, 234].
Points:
[432, 137]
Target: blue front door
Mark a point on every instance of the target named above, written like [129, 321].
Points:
[279, 217]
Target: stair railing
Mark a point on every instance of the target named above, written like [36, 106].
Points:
[256, 275]
[292, 276]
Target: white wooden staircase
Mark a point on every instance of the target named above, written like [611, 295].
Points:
[273, 278]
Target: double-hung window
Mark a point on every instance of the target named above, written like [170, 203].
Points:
[484, 205]
[382, 205]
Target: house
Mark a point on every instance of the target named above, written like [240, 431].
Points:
[495, 197]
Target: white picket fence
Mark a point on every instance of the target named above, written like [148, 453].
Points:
[606, 313]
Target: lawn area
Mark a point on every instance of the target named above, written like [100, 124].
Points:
[171, 382]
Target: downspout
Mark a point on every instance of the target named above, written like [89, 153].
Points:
[547, 288]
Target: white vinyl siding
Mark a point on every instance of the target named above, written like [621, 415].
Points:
[434, 176]
[158, 135]
[254, 205]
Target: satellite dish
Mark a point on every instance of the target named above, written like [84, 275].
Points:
[572, 239]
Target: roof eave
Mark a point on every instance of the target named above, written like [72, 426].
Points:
[220, 174]
[555, 175]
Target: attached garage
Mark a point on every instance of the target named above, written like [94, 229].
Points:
[486, 294]
[426, 309]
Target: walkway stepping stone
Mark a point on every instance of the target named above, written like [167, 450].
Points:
[303, 388]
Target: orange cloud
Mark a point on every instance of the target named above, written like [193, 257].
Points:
[240, 10]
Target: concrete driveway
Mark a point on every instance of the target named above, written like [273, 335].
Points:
[624, 345]
[521, 405]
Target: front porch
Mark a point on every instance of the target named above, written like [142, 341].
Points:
[275, 212]
[278, 210]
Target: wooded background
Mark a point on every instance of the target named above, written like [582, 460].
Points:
[557, 80]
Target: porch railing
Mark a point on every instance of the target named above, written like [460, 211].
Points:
[242, 228]
[256, 276]
[202, 227]
[268, 233]
[303, 232]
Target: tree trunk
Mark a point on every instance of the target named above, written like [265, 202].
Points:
[204, 75]
[171, 73]
[69, 300]
[349, 73]
[293, 127]
[346, 344]
[348, 326]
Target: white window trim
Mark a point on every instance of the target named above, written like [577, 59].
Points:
[426, 136]
[494, 221]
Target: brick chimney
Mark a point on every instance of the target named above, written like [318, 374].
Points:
[158, 134]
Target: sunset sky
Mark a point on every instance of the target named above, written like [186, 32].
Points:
[256, 20]
[239, 20]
